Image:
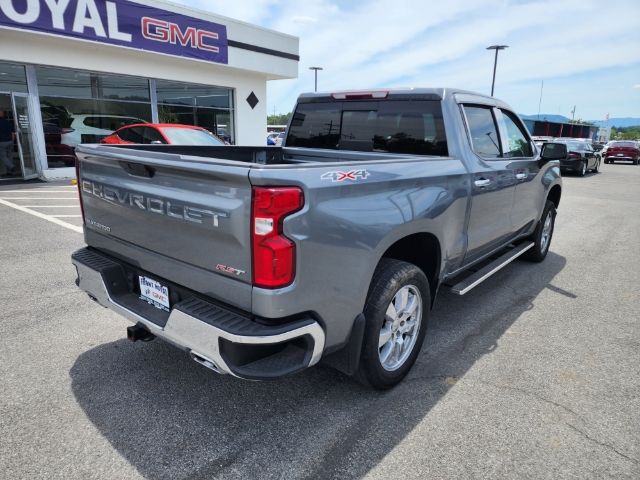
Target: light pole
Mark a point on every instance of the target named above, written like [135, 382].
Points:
[495, 62]
[315, 71]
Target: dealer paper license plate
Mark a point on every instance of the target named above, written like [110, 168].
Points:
[154, 293]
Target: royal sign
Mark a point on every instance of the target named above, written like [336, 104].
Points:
[121, 23]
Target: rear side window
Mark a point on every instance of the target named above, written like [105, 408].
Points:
[518, 144]
[393, 126]
[124, 134]
[483, 130]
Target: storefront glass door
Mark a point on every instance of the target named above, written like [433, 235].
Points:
[17, 156]
[24, 137]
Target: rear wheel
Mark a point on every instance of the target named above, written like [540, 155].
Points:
[542, 235]
[396, 322]
[582, 168]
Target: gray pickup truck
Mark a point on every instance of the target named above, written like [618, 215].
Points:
[261, 261]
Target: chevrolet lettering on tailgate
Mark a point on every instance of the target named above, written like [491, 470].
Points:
[151, 204]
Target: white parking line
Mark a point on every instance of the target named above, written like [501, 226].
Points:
[37, 190]
[44, 216]
[39, 198]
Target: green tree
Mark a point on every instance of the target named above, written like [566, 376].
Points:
[282, 119]
[625, 133]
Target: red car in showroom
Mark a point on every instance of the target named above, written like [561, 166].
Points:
[162, 134]
[623, 150]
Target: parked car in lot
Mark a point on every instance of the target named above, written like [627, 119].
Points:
[581, 157]
[623, 150]
[163, 134]
[92, 128]
[271, 138]
[261, 261]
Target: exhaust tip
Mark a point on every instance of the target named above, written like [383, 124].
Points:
[205, 362]
[137, 332]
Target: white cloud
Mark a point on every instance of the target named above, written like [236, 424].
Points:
[376, 43]
[637, 85]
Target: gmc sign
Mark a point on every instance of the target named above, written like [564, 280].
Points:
[120, 23]
[162, 31]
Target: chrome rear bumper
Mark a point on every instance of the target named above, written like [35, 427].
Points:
[210, 333]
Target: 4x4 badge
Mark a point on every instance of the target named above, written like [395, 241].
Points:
[338, 176]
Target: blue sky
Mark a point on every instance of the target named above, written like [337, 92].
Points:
[586, 51]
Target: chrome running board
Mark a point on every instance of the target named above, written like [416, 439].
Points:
[485, 272]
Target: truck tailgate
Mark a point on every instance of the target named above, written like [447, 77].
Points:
[192, 213]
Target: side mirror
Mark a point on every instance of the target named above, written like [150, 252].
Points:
[553, 151]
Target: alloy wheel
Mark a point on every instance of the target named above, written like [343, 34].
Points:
[400, 328]
[546, 232]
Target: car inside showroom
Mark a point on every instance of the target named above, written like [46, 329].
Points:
[76, 72]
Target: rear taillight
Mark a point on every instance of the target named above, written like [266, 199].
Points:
[79, 184]
[274, 255]
[574, 155]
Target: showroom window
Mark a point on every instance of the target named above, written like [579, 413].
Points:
[84, 107]
[203, 105]
[12, 78]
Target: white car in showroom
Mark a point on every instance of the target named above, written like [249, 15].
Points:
[91, 128]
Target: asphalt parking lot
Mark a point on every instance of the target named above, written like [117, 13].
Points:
[534, 374]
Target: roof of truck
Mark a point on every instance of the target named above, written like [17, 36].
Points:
[441, 92]
[428, 93]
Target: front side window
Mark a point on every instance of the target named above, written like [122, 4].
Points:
[152, 135]
[135, 134]
[576, 147]
[484, 133]
[518, 144]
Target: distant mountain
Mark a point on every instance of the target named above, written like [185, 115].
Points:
[618, 122]
[613, 122]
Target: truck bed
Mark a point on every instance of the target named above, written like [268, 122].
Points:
[256, 155]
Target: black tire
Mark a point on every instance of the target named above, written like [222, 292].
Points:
[389, 278]
[582, 170]
[538, 252]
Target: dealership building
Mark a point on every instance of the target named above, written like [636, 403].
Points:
[74, 71]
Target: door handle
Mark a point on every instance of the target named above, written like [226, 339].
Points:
[482, 182]
[521, 176]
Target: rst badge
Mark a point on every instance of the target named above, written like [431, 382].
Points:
[351, 175]
[233, 271]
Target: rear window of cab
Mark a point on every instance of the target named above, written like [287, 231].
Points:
[393, 126]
